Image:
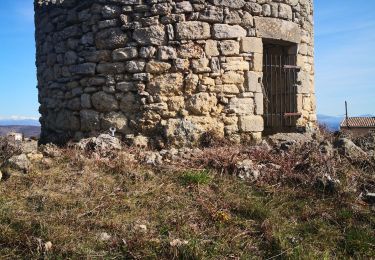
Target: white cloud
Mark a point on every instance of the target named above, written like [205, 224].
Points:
[16, 117]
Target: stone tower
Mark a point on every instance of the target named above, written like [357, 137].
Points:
[171, 70]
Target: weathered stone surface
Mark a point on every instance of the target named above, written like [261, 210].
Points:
[251, 123]
[111, 68]
[124, 54]
[193, 30]
[235, 4]
[225, 31]
[168, 85]
[187, 131]
[111, 39]
[153, 35]
[190, 50]
[104, 102]
[90, 120]
[20, 163]
[116, 120]
[201, 103]
[241, 106]
[157, 67]
[271, 28]
[229, 47]
[253, 81]
[251, 44]
[211, 48]
[83, 69]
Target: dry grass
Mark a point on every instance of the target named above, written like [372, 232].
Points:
[186, 211]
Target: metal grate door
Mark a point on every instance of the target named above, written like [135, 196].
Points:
[280, 92]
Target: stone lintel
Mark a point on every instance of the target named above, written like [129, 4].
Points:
[277, 29]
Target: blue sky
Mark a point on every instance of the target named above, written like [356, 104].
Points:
[344, 48]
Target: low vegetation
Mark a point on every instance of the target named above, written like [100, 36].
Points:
[305, 205]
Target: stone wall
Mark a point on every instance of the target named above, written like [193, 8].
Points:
[163, 69]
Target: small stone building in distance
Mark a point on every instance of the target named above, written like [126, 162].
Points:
[171, 70]
[358, 126]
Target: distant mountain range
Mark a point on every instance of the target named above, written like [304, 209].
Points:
[29, 127]
[23, 122]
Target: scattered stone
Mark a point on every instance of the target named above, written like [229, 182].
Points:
[104, 237]
[20, 163]
[246, 169]
[286, 141]
[347, 148]
[102, 143]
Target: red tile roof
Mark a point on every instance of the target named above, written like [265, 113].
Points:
[359, 122]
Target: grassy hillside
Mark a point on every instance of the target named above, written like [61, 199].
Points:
[86, 206]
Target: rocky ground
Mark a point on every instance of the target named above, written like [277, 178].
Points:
[291, 196]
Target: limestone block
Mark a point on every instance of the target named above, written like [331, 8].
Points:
[116, 120]
[153, 35]
[200, 65]
[212, 14]
[110, 11]
[167, 53]
[86, 101]
[257, 63]
[233, 17]
[285, 11]
[126, 86]
[190, 50]
[193, 30]
[124, 54]
[236, 66]
[181, 64]
[229, 47]
[65, 120]
[211, 49]
[111, 68]
[201, 103]
[83, 69]
[272, 28]
[166, 84]
[110, 39]
[176, 103]
[147, 52]
[104, 102]
[254, 8]
[156, 67]
[251, 124]
[90, 120]
[232, 77]
[187, 131]
[234, 4]
[247, 20]
[303, 78]
[129, 103]
[191, 83]
[253, 81]
[135, 66]
[184, 7]
[241, 106]
[225, 31]
[259, 103]
[251, 44]
[227, 89]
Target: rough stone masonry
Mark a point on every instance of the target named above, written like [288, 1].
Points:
[166, 71]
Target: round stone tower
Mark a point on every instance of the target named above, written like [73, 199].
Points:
[171, 71]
